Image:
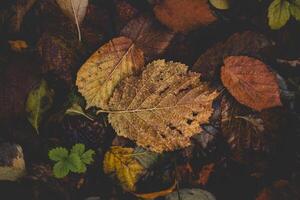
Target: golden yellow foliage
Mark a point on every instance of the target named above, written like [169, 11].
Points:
[121, 162]
[111, 63]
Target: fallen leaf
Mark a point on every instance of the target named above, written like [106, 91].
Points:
[248, 131]
[12, 164]
[162, 108]
[145, 158]
[76, 110]
[38, 102]
[154, 195]
[205, 173]
[112, 62]
[148, 35]
[75, 10]
[120, 161]
[245, 43]
[58, 56]
[280, 190]
[251, 82]
[190, 194]
[220, 4]
[278, 14]
[184, 15]
[19, 10]
[17, 45]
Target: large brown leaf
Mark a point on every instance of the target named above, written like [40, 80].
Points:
[245, 43]
[251, 82]
[148, 35]
[184, 15]
[111, 63]
[162, 108]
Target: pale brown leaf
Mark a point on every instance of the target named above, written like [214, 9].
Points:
[75, 10]
[184, 15]
[251, 82]
[111, 63]
[162, 108]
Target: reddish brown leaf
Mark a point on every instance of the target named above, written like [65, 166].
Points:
[148, 35]
[184, 15]
[205, 173]
[246, 43]
[248, 131]
[251, 82]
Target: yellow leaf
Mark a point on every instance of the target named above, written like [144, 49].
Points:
[121, 162]
[17, 45]
[111, 63]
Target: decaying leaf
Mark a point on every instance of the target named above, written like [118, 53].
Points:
[146, 158]
[280, 190]
[148, 35]
[12, 164]
[19, 10]
[120, 161]
[38, 102]
[190, 194]
[245, 43]
[75, 10]
[184, 15]
[162, 108]
[52, 46]
[76, 109]
[205, 173]
[247, 131]
[18, 45]
[154, 195]
[111, 63]
[251, 82]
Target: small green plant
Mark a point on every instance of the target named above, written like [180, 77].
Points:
[74, 161]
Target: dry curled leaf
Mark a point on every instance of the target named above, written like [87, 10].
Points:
[111, 63]
[251, 82]
[162, 108]
[148, 35]
[245, 43]
[120, 161]
[184, 15]
[154, 195]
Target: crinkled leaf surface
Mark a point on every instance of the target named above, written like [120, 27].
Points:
[111, 63]
[162, 108]
[148, 35]
[38, 102]
[251, 82]
[278, 14]
[184, 15]
[190, 194]
[120, 161]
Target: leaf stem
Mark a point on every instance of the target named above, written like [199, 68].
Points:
[76, 21]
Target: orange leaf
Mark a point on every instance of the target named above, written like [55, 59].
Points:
[184, 15]
[251, 82]
[154, 195]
